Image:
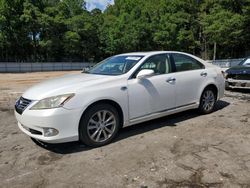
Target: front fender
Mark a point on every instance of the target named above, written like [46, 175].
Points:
[84, 100]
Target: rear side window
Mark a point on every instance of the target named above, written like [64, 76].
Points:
[185, 63]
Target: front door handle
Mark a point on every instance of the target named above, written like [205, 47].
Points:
[204, 74]
[171, 80]
[123, 88]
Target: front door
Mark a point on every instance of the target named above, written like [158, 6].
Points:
[155, 93]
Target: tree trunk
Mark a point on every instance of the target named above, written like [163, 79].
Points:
[215, 45]
[34, 46]
[206, 49]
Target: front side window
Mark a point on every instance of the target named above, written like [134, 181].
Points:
[160, 64]
[115, 65]
[185, 63]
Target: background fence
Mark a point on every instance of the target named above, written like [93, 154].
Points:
[226, 63]
[12, 67]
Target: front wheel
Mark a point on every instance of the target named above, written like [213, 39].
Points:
[99, 125]
[207, 101]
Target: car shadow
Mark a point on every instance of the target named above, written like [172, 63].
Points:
[170, 121]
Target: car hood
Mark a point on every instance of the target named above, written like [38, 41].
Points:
[239, 70]
[64, 85]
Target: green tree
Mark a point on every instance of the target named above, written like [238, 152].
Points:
[222, 23]
[63, 30]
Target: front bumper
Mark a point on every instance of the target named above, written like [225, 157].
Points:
[66, 122]
[232, 83]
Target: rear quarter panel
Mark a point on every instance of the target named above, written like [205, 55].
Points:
[216, 78]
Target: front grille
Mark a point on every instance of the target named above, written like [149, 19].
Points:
[22, 104]
[239, 76]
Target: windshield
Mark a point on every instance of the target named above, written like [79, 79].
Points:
[245, 62]
[115, 65]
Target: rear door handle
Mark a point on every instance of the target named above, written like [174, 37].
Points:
[171, 80]
[204, 74]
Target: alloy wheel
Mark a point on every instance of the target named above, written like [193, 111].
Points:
[208, 100]
[101, 126]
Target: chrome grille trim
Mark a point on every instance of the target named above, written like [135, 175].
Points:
[22, 104]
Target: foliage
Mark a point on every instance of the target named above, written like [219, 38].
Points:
[63, 30]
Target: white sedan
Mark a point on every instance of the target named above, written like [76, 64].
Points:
[122, 90]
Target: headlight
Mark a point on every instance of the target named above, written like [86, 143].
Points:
[224, 73]
[52, 102]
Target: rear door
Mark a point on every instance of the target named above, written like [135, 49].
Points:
[190, 77]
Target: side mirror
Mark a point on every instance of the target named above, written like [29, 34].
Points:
[145, 73]
[85, 69]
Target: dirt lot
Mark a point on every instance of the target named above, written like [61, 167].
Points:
[182, 150]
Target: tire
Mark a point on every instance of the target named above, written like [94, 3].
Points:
[207, 101]
[99, 125]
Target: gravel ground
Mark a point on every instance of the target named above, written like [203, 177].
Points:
[181, 150]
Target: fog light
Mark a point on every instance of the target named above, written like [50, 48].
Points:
[50, 132]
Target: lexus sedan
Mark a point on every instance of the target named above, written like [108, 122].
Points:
[239, 76]
[122, 90]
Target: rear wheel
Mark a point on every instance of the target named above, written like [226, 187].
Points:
[99, 125]
[207, 101]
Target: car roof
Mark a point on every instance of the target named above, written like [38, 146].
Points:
[160, 52]
[151, 53]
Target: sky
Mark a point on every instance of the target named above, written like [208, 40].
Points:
[101, 4]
